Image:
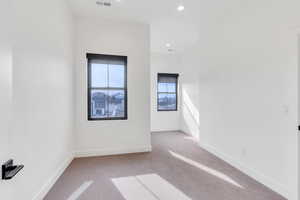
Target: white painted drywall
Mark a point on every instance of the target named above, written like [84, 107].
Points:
[116, 38]
[298, 112]
[163, 120]
[42, 126]
[243, 102]
[6, 188]
[5, 114]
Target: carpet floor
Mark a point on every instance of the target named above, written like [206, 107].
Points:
[176, 169]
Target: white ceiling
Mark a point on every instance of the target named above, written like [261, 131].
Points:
[180, 29]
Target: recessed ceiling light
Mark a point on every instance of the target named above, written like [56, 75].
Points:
[168, 45]
[180, 8]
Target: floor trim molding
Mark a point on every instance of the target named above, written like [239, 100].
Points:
[53, 178]
[89, 153]
[165, 131]
[253, 173]
[109, 152]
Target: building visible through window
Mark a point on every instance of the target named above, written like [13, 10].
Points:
[107, 87]
[167, 88]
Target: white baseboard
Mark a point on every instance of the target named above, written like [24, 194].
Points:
[165, 131]
[53, 178]
[103, 152]
[109, 152]
[253, 173]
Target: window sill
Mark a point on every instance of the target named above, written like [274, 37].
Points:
[167, 110]
[107, 119]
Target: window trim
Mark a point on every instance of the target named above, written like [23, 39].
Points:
[176, 92]
[90, 88]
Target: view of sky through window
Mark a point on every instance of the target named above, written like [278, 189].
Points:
[167, 92]
[107, 90]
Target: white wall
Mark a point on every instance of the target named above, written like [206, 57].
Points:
[5, 114]
[298, 113]
[42, 134]
[110, 137]
[163, 121]
[243, 102]
[6, 92]
[190, 114]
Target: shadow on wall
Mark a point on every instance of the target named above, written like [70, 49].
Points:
[190, 115]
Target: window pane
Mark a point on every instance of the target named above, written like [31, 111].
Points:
[172, 101]
[171, 87]
[162, 101]
[99, 75]
[116, 76]
[99, 103]
[167, 87]
[107, 87]
[116, 103]
[162, 87]
[167, 101]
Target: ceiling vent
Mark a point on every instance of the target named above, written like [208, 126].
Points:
[103, 3]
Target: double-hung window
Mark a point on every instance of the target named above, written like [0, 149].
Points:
[167, 92]
[107, 87]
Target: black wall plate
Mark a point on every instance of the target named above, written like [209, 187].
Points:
[9, 170]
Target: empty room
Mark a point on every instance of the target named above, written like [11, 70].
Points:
[149, 99]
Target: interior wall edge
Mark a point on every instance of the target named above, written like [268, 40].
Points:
[79, 154]
[253, 173]
[110, 152]
[46, 187]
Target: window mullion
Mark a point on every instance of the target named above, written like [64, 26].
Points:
[106, 88]
[166, 92]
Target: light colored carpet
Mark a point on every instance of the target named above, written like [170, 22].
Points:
[176, 169]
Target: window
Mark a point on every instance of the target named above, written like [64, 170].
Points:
[107, 87]
[167, 92]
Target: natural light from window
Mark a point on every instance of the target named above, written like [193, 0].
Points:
[209, 170]
[148, 187]
[107, 87]
[82, 188]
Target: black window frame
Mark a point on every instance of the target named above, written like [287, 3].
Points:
[89, 57]
[176, 92]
